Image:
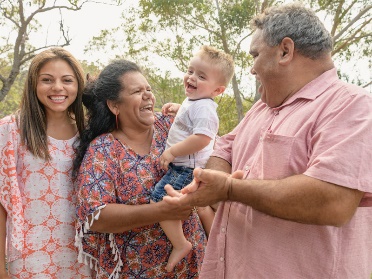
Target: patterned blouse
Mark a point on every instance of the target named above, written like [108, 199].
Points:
[39, 198]
[112, 172]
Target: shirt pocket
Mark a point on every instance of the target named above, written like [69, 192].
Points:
[275, 158]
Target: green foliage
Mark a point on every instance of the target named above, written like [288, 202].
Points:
[173, 30]
[227, 112]
[90, 68]
[236, 15]
[165, 88]
[11, 102]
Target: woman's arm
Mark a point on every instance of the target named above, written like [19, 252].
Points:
[117, 218]
[3, 271]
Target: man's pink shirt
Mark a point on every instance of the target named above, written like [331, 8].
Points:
[323, 131]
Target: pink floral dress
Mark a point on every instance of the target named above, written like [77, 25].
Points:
[40, 203]
[113, 173]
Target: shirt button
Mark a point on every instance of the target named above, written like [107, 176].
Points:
[221, 259]
[223, 230]
[247, 168]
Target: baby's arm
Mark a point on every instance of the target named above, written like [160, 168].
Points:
[188, 146]
[170, 108]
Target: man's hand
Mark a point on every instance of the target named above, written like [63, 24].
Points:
[208, 188]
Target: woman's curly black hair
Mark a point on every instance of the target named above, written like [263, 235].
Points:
[100, 120]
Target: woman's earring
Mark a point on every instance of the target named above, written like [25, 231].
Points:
[117, 122]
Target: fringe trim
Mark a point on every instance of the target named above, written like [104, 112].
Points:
[88, 259]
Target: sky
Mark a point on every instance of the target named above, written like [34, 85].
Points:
[92, 18]
[83, 25]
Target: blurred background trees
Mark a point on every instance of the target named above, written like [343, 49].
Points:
[161, 35]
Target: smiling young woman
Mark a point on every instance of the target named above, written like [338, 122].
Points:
[36, 154]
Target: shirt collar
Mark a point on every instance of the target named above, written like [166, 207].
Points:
[314, 88]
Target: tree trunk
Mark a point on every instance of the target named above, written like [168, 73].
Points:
[238, 99]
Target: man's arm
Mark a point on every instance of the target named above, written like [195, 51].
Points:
[216, 163]
[298, 198]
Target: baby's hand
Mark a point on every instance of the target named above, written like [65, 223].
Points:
[166, 158]
[192, 187]
[170, 108]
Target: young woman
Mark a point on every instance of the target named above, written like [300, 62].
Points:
[37, 210]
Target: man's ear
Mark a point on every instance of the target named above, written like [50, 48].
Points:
[113, 106]
[287, 50]
[219, 90]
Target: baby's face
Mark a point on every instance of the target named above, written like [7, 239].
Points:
[201, 79]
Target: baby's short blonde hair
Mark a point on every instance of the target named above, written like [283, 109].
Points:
[220, 59]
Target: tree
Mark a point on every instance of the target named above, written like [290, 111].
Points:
[165, 88]
[190, 24]
[350, 26]
[12, 100]
[173, 30]
[19, 19]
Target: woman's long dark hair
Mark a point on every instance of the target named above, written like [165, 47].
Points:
[107, 86]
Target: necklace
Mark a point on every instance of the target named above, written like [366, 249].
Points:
[140, 143]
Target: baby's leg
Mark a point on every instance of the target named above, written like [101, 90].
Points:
[206, 215]
[181, 246]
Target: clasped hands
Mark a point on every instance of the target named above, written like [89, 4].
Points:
[208, 187]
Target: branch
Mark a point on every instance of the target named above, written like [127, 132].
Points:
[197, 25]
[352, 38]
[240, 42]
[368, 84]
[336, 18]
[355, 19]
[346, 11]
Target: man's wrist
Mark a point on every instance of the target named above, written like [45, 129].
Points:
[229, 186]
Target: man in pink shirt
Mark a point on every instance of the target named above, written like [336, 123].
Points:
[299, 201]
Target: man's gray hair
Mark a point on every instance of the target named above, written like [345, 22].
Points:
[302, 25]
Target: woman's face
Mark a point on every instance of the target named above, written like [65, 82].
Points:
[57, 86]
[136, 109]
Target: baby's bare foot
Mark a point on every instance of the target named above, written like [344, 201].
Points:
[177, 255]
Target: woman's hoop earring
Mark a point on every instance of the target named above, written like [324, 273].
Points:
[117, 121]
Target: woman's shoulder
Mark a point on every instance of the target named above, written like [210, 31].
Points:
[8, 124]
[163, 122]
[8, 120]
[105, 139]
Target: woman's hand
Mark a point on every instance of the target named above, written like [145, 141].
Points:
[175, 211]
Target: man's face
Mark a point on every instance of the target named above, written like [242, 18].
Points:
[266, 69]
